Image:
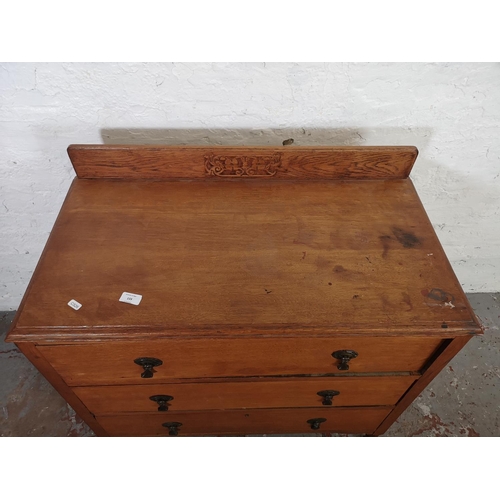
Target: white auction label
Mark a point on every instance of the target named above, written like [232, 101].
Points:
[131, 298]
[74, 304]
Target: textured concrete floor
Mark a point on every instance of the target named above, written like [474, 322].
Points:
[463, 400]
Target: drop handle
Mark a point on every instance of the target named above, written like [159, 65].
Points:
[327, 396]
[148, 365]
[344, 356]
[173, 428]
[162, 400]
[315, 423]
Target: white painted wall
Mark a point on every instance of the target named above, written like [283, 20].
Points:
[451, 112]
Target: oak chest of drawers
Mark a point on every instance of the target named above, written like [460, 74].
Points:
[284, 290]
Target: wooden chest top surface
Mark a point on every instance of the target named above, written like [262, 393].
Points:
[243, 256]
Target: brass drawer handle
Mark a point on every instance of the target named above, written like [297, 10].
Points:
[315, 423]
[327, 396]
[162, 400]
[344, 357]
[173, 428]
[148, 364]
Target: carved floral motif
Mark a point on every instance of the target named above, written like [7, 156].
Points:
[242, 166]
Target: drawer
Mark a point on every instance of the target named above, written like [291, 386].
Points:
[258, 393]
[282, 421]
[112, 363]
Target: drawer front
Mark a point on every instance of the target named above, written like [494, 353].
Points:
[113, 362]
[280, 393]
[283, 421]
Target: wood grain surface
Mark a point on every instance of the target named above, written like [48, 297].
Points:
[254, 265]
[247, 393]
[243, 258]
[113, 362]
[218, 162]
[290, 420]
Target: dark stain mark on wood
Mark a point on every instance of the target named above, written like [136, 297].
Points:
[444, 325]
[304, 255]
[368, 259]
[407, 300]
[330, 284]
[407, 239]
[440, 295]
[355, 296]
[267, 291]
[343, 273]
[385, 240]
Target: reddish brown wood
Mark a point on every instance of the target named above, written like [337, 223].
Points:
[342, 420]
[242, 258]
[223, 162]
[252, 273]
[247, 393]
[34, 355]
[442, 360]
[113, 362]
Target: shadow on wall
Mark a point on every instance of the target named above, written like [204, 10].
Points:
[390, 136]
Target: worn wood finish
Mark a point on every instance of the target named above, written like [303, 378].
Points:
[113, 362]
[254, 264]
[222, 162]
[242, 258]
[47, 370]
[247, 393]
[342, 420]
[441, 361]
